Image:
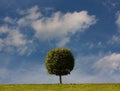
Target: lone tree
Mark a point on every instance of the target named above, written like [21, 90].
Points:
[59, 61]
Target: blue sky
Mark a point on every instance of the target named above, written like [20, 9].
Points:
[89, 28]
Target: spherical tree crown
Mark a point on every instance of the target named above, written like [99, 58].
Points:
[59, 61]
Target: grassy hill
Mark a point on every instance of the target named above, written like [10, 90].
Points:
[58, 87]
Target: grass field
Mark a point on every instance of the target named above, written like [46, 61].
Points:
[58, 87]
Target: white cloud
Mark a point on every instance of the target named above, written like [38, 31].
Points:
[1, 44]
[92, 69]
[34, 13]
[56, 27]
[9, 20]
[12, 37]
[60, 25]
[4, 29]
[115, 39]
[22, 22]
[92, 45]
[27, 49]
[108, 64]
[118, 20]
[63, 41]
[15, 38]
[110, 4]
[29, 16]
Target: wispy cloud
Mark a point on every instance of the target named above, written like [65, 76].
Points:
[9, 20]
[111, 4]
[28, 16]
[102, 69]
[63, 41]
[118, 19]
[116, 38]
[59, 26]
[11, 38]
[108, 64]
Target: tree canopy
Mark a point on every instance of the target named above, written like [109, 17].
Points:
[59, 61]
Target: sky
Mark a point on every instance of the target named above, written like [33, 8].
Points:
[30, 28]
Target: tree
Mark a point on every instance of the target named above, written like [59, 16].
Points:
[59, 61]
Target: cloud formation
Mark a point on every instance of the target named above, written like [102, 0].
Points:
[28, 16]
[118, 20]
[13, 36]
[58, 26]
[109, 64]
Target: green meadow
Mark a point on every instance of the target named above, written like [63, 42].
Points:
[59, 87]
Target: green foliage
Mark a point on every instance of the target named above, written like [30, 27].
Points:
[58, 87]
[59, 61]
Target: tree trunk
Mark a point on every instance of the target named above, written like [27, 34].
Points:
[60, 79]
